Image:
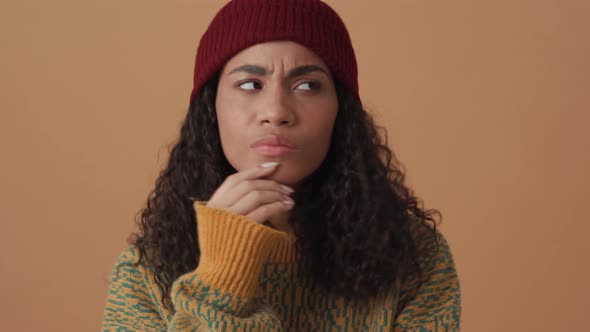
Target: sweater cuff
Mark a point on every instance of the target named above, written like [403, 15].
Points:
[233, 249]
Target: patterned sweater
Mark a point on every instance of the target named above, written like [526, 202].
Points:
[247, 280]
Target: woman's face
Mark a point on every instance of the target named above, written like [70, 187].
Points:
[285, 93]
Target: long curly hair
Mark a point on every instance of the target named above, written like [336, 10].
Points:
[353, 217]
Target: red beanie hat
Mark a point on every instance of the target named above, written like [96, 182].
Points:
[243, 23]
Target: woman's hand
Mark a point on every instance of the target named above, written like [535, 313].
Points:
[247, 194]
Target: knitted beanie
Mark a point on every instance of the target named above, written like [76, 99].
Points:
[243, 23]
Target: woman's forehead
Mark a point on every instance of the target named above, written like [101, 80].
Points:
[275, 55]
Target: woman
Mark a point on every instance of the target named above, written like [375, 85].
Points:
[280, 208]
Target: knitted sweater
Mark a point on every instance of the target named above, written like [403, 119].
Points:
[247, 280]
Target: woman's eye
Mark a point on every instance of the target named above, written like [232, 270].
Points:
[249, 85]
[310, 86]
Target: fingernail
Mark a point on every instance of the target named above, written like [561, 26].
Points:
[288, 202]
[269, 164]
[287, 188]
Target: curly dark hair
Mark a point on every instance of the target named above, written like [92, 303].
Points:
[353, 216]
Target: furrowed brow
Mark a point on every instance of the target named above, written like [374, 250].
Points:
[261, 71]
[250, 69]
[302, 70]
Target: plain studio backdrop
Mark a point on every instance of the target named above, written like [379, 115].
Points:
[486, 104]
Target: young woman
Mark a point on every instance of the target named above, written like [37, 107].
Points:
[281, 207]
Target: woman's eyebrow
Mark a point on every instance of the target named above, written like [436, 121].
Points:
[262, 71]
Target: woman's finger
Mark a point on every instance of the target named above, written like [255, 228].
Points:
[250, 173]
[245, 187]
[258, 198]
[264, 212]
[217, 200]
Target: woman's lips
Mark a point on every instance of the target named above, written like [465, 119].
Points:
[272, 150]
[273, 145]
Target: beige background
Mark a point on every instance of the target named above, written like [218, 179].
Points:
[486, 103]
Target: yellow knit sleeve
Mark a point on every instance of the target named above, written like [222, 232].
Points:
[222, 294]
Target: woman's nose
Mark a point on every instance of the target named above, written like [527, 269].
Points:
[277, 109]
